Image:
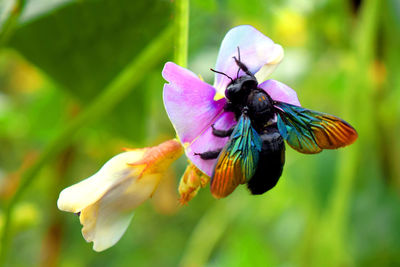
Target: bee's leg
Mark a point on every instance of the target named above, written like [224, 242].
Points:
[212, 154]
[222, 133]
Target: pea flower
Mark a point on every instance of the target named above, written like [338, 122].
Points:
[193, 106]
[106, 201]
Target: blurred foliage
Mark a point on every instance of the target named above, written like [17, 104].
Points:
[337, 208]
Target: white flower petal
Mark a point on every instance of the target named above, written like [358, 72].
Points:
[104, 229]
[256, 51]
[106, 221]
[274, 58]
[80, 195]
[107, 199]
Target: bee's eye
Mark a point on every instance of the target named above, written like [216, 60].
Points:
[249, 84]
[233, 91]
[240, 88]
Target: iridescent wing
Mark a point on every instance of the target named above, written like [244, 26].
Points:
[237, 162]
[310, 131]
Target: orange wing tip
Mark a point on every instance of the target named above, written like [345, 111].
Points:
[352, 138]
[337, 135]
[218, 192]
[218, 195]
[227, 176]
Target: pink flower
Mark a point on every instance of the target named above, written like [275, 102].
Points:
[193, 105]
[106, 201]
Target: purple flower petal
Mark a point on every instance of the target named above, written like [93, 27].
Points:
[189, 102]
[280, 92]
[207, 141]
[256, 50]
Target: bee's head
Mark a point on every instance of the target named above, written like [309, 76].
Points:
[239, 89]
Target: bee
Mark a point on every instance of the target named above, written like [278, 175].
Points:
[255, 151]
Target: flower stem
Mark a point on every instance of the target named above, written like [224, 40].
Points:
[181, 32]
[11, 21]
[109, 97]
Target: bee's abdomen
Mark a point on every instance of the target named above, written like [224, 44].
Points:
[270, 163]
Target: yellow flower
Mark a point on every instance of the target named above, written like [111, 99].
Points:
[105, 201]
[192, 180]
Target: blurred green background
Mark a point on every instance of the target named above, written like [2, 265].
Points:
[80, 79]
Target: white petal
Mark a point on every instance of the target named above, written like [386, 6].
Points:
[107, 199]
[80, 195]
[256, 51]
[275, 58]
[106, 221]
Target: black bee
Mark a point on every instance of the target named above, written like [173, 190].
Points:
[255, 152]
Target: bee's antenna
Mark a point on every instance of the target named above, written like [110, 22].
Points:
[219, 72]
[237, 74]
[243, 67]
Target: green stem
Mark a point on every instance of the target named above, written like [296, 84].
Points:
[181, 32]
[109, 97]
[359, 106]
[11, 21]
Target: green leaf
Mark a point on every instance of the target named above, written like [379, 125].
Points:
[84, 44]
